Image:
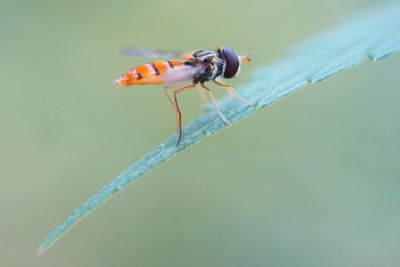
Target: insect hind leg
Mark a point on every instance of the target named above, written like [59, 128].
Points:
[168, 96]
[177, 108]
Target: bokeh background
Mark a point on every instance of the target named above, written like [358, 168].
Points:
[310, 181]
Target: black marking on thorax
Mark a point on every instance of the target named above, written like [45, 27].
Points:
[212, 62]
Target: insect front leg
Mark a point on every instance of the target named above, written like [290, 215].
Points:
[178, 110]
[230, 90]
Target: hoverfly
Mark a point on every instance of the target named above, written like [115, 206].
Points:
[196, 68]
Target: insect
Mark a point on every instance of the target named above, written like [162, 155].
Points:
[196, 68]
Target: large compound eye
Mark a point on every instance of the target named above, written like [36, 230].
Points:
[232, 62]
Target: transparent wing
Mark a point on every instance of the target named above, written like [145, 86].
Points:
[182, 75]
[151, 53]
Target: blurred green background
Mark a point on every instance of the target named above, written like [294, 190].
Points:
[310, 181]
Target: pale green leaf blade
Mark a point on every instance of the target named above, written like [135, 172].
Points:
[372, 34]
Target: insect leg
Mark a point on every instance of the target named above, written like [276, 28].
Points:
[203, 96]
[208, 90]
[178, 110]
[229, 89]
[168, 96]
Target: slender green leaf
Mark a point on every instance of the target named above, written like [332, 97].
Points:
[371, 34]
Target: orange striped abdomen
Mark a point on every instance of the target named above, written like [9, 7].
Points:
[151, 73]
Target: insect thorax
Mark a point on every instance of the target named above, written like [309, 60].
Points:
[213, 64]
